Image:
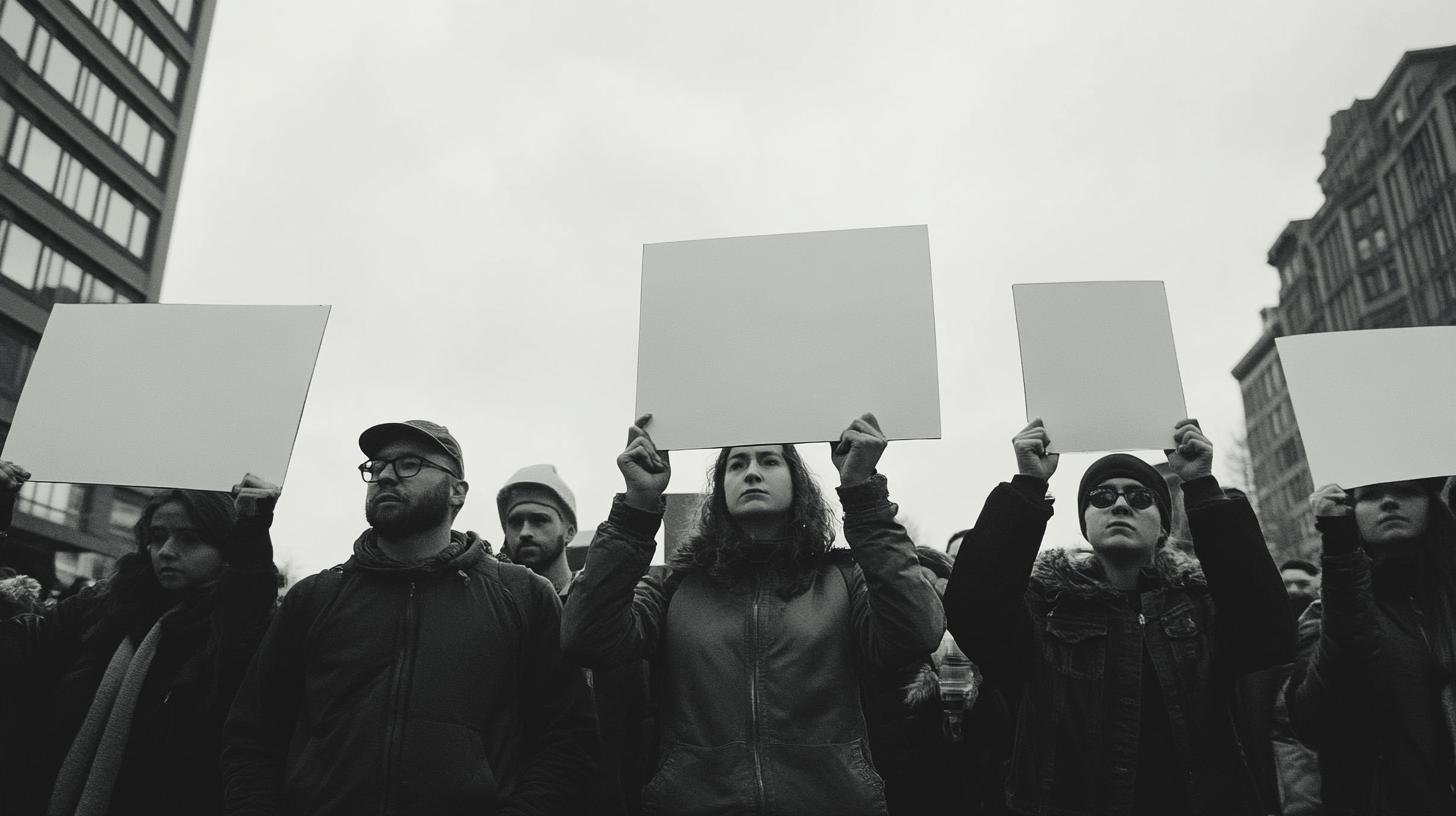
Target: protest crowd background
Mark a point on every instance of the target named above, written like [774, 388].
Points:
[965, 519]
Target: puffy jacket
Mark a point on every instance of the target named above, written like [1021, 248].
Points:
[171, 760]
[760, 704]
[1366, 690]
[1071, 650]
[435, 687]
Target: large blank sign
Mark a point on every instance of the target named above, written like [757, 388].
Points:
[1098, 364]
[787, 338]
[1374, 406]
[166, 395]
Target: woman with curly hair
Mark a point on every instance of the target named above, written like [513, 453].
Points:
[142, 668]
[760, 632]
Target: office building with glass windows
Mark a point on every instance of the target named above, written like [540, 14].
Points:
[96, 103]
[1379, 253]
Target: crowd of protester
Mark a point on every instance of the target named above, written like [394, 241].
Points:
[762, 669]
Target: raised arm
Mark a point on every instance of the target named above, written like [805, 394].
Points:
[897, 615]
[1253, 628]
[985, 601]
[615, 611]
[1338, 637]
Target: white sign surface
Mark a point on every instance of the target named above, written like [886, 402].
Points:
[1098, 364]
[1373, 406]
[156, 395]
[787, 338]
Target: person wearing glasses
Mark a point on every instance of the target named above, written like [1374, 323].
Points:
[421, 676]
[1121, 662]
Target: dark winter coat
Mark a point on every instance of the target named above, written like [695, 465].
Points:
[1366, 691]
[760, 704]
[171, 763]
[435, 687]
[1073, 652]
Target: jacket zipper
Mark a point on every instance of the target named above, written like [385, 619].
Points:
[402, 667]
[753, 702]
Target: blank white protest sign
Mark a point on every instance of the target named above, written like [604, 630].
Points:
[787, 338]
[1098, 364]
[1373, 406]
[155, 395]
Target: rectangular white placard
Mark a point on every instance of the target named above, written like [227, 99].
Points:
[1098, 364]
[1373, 406]
[787, 338]
[163, 395]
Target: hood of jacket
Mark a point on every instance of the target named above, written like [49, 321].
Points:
[465, 550]
[1078, 573]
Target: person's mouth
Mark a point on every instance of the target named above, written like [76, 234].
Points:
[1393, 519]
[1120, 525]
[753, 493]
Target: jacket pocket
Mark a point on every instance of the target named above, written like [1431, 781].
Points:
[1189, 645]
[444, 766]
[832, 778]
[1077, 649]
[698, 779]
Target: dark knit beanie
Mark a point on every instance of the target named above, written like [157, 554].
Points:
[1124, 466]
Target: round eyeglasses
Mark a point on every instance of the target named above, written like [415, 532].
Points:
[1138, 498]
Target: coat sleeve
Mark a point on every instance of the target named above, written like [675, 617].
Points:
[248, 594]
[895, 612]
[985, 601]
[561, 747]
[265, 711]
[614, 613]
[1253, 629]
[1337, 639]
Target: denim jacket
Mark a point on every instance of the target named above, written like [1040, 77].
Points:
[1069, 648]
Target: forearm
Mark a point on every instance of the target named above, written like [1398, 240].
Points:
[903, 616]
[1254, 628]
[613, 614]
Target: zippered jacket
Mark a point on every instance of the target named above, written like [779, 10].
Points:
[759, 699]
[1073, 652]
[436, 687]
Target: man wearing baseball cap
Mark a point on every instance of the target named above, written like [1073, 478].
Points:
[421, 676]
[1123, 660]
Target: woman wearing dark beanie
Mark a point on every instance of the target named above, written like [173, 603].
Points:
[1374, 690]
[140, 670]
[1121, 662]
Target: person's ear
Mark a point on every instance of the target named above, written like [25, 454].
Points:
[458, 490]
[570, 532]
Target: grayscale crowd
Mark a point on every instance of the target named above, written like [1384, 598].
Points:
[762, 670]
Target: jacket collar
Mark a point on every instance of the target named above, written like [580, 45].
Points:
[1065, 572]
[465, 551]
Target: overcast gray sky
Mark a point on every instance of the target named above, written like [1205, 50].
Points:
[469, 185]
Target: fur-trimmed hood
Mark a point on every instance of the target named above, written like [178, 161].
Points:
[1067, 572]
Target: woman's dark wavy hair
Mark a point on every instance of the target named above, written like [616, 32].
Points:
[133, 589]
[720, 548]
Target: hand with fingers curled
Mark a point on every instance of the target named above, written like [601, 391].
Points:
[1330, 501]
[1191, 456]
[1032, 458]
[645, 469]
[858, 450]
[254, 497]
[12, 478]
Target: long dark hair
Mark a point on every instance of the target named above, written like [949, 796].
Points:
[1438, 573]
[720, 548]
[133, 590]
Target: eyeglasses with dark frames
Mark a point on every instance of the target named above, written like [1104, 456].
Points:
[1138, 498]
[404, 467]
